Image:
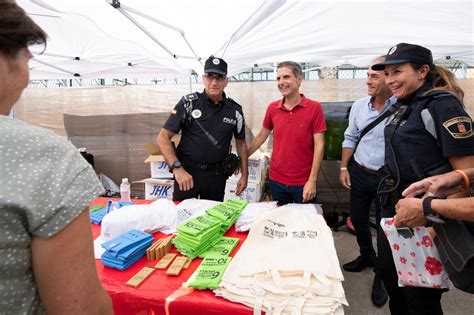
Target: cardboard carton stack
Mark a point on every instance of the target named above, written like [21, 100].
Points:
[160, 184]
[258, 165]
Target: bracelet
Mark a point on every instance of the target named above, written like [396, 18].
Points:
[465, 179]
[343, 168]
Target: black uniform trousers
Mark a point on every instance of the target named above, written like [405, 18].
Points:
[404, 300]
[363, 191]
[208, 184]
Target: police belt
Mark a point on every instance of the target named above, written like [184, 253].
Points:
[203, 166]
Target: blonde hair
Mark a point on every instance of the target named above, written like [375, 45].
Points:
[442, 80]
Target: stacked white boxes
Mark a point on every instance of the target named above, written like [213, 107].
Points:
[258, 166]
[160, 185]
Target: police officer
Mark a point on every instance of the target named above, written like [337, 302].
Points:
[430, 134]
[207, 122]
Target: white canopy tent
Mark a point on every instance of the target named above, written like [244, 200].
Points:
[137, 38]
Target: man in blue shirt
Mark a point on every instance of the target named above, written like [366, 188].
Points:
[362, 177]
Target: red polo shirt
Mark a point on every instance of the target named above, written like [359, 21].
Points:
[293, 143]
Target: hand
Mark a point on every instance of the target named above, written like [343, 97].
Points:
[238, 168]
[241, 185]
[183, 178]
[345, 179]
[409, 213]
[440, 186]
[309, 190]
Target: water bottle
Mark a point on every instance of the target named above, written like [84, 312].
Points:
[125, 190]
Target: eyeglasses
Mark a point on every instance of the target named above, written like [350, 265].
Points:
[212, 77]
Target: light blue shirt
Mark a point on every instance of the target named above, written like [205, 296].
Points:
[371, 149]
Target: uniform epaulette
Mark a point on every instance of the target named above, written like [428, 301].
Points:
[190, 97]
[231, 100]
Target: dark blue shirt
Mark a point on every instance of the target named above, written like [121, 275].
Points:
[207, 128]
[435, 129]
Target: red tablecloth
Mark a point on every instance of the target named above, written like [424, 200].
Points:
[150, 297]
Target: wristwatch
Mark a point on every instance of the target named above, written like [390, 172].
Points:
[176, 164]
[429, 213]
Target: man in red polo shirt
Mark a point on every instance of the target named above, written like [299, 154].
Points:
[298, 127]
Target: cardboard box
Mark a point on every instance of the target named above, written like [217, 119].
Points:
[158, 166]
[253, 192]
[157, 188]
[257, 170]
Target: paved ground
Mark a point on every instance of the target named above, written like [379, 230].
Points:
[358, 286]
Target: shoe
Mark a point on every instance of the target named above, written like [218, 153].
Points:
[379, 294]
[357, 265]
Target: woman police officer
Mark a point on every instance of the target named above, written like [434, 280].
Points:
[431, 133]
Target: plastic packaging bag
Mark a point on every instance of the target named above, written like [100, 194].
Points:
[416, 258]
[209, 274]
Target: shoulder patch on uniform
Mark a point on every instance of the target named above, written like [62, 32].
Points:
[459, 127]
[190, 97]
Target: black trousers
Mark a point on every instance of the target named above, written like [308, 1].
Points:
[404, 300]
[208, 184]
[363, 192]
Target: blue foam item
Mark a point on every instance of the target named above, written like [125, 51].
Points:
[110, 257]
[111, 205]
[97, 216]
[131, 252]
[120, 265]
[134, 250]
[125, 241]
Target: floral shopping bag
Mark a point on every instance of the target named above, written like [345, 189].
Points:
[416, 258]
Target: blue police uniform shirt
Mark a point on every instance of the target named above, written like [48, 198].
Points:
[435, 129]
[370, 151]
[220, 121]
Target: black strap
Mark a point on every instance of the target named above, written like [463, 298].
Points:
[392, 109]
[188, 109]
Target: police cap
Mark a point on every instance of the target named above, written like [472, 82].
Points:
[215, 65]
[403, 53]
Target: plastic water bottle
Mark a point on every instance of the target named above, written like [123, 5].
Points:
[125, 190]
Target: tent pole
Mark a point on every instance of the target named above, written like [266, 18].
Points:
[180, 31]
[122, 8]
[144, 30]
[56, 67]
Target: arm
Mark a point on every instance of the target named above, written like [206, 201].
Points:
[459, 208]
[440, 185]
[351, 136]
[410, 210]
[309, 189]
[183, 178]
[241, 147]
[65, 271]
[259, 139]
[459, 163]
[344, 176]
